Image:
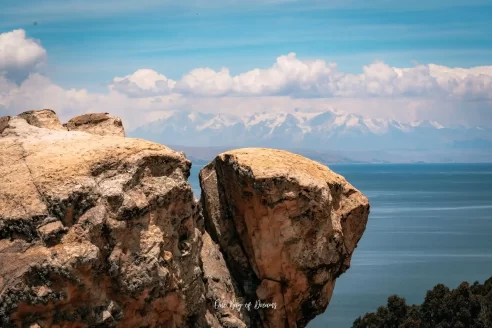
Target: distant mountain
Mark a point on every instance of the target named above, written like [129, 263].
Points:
[330, 130]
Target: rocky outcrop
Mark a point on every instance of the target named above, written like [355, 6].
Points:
[287, 226]
[101, 124]
[97, 230]
[45, 118]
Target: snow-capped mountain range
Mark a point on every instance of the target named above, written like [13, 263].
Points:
[327, 130]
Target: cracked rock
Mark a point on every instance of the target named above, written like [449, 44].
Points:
[68, 257]
[51, 230]
[287, 227]
[98, 230]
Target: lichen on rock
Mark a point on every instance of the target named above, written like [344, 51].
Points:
[99, 230]
[96, 231]
[287, 225]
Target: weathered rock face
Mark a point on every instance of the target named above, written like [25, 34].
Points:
[45, 118]
[222, 291]
[287, 227]
[96, 231]
[101, 124]
[4, 121]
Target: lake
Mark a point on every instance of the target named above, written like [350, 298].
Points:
[429, 224]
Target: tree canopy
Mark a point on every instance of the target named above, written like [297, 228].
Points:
[467, 306]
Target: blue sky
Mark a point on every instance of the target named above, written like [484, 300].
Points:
[90, 42]
[406, 60]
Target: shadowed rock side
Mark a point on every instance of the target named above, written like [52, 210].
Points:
[101, 124]
[219, 282]
[96, 232]
[4, 121]
[287, 226]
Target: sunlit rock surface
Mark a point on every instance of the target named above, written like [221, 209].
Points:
[288, 227]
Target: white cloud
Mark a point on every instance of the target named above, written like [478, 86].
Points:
[294, 77]
[143, 83]
[19, 55]
[205, 82]
[420, 92]
[472, 84]
[38, 92]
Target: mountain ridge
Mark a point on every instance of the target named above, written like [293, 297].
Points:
[329, 130]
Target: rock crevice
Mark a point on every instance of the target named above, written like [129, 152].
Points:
[99, 230]
[290, 216]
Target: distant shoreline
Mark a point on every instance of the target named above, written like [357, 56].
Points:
[204, 155]
[204, 162]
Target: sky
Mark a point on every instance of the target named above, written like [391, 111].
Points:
[406, 60]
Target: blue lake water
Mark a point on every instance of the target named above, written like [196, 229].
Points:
[429, 224]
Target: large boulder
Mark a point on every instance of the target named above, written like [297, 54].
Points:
[96, 231]
[44, 118]
[287, 226]
[101, 124]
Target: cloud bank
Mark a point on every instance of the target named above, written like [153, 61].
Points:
[436, 92]
[291, 76]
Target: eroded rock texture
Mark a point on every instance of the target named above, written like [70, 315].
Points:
[101, 124]
[96, 232]
[287, 227]
[45, 118]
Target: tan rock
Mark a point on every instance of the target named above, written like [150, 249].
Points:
[222, 293]
[52, 230]
[100, 230]
[4, 121]
[287, 226]
[44, 118]
[85, 223]
[101, 124]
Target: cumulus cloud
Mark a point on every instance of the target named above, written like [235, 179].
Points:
[420, 92]
[472, 84]
[19, 55]
[143, 83]
[291, 76]
[38, 91]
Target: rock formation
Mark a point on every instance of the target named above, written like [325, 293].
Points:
[45, 118]
[101, 124]
[287, 226]
[98, 230]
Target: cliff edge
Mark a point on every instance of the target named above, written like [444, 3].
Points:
[99, 230]
[287, 226]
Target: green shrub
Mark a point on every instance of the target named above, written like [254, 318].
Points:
[464, 307]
